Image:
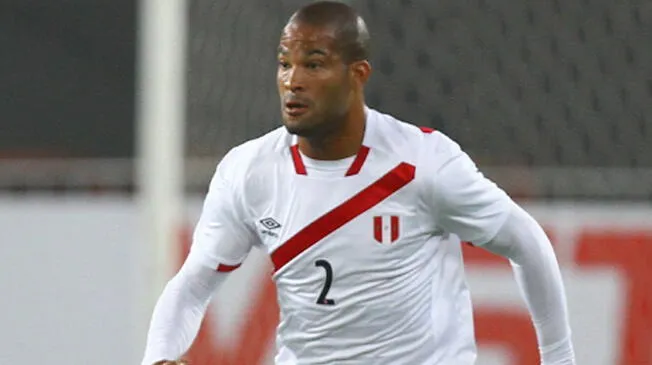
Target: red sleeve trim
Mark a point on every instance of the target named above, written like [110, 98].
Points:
[227, 268]
[426, 129]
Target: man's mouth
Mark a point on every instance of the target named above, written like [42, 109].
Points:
[295, 108]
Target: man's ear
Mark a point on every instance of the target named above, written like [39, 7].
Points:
[361, 71]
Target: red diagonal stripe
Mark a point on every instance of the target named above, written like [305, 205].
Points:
[370, 196]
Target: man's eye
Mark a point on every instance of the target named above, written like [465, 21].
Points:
[313, 65]
[283, 64]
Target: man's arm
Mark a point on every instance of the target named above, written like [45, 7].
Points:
[179, 311]
[466, 203]
[522, 240]
[221, 241]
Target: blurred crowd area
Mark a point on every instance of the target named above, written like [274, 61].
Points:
[553, 99]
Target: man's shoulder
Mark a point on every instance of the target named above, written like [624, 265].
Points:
[271, 142]
[254, 154]
[400, 136]
[424, 147]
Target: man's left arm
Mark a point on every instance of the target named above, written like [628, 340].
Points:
[522, 240]
[466, 203]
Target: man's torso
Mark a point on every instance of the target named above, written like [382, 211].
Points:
[362, 271]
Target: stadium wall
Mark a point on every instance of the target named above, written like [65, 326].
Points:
[72, 297]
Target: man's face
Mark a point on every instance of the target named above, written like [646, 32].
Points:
[314, 84]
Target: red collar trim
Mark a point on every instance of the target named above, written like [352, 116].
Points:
[299, 167]
[359, 161]
[354, 169]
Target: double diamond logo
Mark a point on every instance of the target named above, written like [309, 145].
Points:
[270, 223]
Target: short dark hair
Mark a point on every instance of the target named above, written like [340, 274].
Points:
[352, 36]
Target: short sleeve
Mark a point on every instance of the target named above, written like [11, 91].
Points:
[463, 200]
[222, 237]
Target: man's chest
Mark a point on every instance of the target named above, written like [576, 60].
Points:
[368, 217]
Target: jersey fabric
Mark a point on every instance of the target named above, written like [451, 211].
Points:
[366, 250]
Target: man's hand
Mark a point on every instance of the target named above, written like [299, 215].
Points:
[170, 362]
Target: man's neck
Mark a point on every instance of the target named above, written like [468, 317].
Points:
[341, 144]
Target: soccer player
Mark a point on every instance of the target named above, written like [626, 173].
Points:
[362, 216]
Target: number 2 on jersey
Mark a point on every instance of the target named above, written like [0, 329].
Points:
[327, 284]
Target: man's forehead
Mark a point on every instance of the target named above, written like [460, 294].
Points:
[306, 37]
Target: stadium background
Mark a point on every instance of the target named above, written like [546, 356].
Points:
[552, 99]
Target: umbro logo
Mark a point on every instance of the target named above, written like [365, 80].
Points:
[270, 223]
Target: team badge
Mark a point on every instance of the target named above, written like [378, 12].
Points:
[386, 228]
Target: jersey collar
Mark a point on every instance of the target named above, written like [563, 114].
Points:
[358, 162]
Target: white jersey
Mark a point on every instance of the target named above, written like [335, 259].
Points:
[366, 250]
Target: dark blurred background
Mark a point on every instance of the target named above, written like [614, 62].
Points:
[552, 99]
[67, 78]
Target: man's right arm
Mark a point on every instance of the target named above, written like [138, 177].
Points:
[221, 241]
[179, 311]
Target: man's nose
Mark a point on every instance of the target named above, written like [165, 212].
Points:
[294, 80]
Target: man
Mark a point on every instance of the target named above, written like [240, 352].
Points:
[361, 215]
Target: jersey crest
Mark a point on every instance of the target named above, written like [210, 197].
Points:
[386, 228]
